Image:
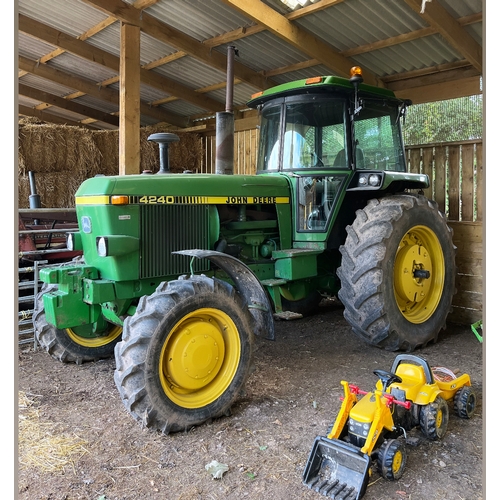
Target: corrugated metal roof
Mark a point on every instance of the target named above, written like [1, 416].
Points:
[362, 31]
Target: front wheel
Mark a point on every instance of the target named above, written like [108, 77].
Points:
[398, 272]
[185, 354]
[74, 345]
[391, 459]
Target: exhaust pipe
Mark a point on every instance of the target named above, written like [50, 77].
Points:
[34, 197]
[224, 128]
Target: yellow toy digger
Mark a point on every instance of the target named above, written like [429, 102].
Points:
[370, 425]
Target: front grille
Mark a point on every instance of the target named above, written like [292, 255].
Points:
[169, 228]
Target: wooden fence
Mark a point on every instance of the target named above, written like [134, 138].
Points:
[455, 171]
[457, 184]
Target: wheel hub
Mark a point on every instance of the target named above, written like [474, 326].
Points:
[196, 355]
[415, 268]
[397, 462]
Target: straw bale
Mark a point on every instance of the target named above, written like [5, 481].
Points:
[62, 157]
[57, 148]
[108, 146]
[184, 155]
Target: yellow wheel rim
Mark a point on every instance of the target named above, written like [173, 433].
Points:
[397, 462]
[419, 272]
[113, 332]
[199, 358]
[439, 419]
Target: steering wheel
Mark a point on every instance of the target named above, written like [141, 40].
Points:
[317, 161]
[315, 220]
[387, 378]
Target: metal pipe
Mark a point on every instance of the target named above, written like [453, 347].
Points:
[224, 124]
[231, 50]
[34, 198]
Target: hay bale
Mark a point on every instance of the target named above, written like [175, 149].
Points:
[57, 148]
[107, 144]
[187, 154]
[62, 157]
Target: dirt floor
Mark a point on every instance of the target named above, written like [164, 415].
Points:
[76, 440]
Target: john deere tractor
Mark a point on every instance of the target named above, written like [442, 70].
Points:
[180, 271]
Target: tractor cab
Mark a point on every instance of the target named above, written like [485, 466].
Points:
[328, 135]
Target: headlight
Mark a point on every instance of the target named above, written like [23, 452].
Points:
[369, 179]
[102, 247]
[73, 241]
[363, 180]
[115, 245]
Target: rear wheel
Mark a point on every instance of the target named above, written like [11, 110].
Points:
[78, 344]
[185, 354]
[434, 419]
[391, 459]
[398, 272]
[464, 402]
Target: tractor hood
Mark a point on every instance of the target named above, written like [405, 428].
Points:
[183, 189]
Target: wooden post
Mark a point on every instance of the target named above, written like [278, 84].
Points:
[130, 114]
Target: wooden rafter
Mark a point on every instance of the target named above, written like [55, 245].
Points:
[441, 20]
[468, 70]
[299, 38]
[110, 61]
[88, 87]
[171, 36]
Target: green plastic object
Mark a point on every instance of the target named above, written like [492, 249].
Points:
[478, 325]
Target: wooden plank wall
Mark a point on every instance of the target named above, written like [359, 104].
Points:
[245, 151]
[456, 174]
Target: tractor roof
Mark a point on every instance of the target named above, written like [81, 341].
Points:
[319, 84]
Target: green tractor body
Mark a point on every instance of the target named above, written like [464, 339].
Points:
[329, 213]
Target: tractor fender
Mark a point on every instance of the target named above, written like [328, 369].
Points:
[247, 285]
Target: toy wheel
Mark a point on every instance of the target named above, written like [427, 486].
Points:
[434, 419]
[391, 459]
[464, 402]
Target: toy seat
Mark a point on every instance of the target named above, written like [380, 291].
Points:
[413, 377]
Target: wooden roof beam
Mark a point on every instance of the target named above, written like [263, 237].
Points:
[440, 19]
[91, 88]
[298, 38]
[50, 118]
[99, 56]
[62, 103]
[171, 36]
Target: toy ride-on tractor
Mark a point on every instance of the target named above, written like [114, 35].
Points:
[372, 426]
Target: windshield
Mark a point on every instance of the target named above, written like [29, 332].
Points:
[313, 135]
[377, 134]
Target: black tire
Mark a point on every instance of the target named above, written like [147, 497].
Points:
[391, 459]
[434, 418]
[390, 301]
[464, 402]
[165, 380]
[73, 345]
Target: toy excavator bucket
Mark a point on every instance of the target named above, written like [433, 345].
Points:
[336, 469]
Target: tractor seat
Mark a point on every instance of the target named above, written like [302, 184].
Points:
[413, 377]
